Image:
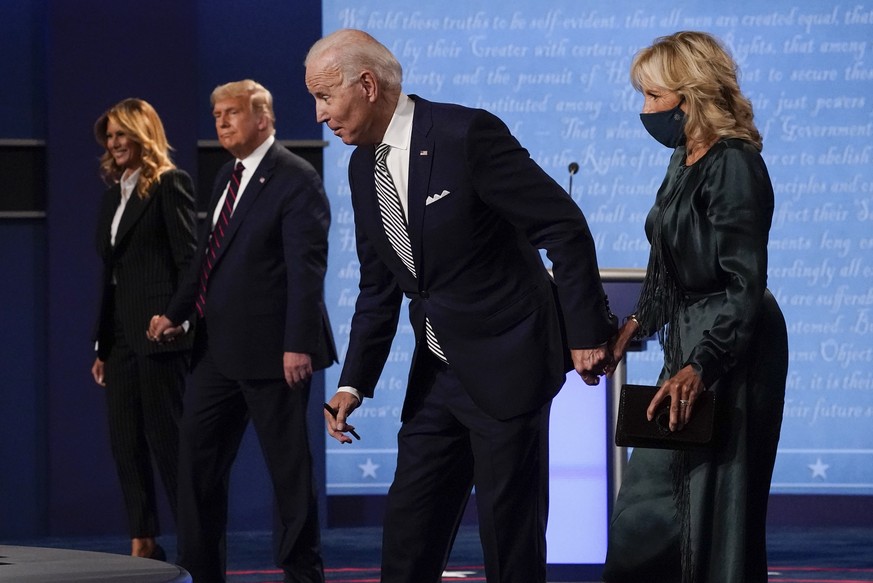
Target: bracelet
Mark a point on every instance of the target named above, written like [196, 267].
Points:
[633, 318]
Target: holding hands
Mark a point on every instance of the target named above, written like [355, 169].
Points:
[619, 343]
[161, 329]
[590, 363]
[683, 388]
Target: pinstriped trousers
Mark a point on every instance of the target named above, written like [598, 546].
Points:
[144, 403]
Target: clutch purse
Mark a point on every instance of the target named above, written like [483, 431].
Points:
[633, 429]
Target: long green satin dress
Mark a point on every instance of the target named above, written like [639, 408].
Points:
[715, 219]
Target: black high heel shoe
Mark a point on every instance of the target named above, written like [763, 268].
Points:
[158, 553]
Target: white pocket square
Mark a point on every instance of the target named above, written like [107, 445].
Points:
[435, 197]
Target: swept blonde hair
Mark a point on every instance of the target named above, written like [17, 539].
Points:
[695, 66]
[141, 123]
[260, 98]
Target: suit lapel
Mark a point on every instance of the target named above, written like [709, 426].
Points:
[260, 177]
[255, 186]
[421, 152]
[219, 186]
[368, 211]
[110, 202]
[420, 157]
[133, 210]
[206, 227]
[369, 198]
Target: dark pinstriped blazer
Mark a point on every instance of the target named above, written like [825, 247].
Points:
[154, 244]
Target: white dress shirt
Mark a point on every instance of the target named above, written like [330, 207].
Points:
[128, 185]
[398, 136]
[250, 163]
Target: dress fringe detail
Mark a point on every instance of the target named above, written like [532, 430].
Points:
[660, 304]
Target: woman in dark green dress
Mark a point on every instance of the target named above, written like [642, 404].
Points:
[699, 516]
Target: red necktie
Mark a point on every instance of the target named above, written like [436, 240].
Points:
[217, 235]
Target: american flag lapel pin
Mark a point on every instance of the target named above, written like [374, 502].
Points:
[423, 153]
[261, 180]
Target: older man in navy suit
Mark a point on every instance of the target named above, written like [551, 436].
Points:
[262, 329]
[450, 211]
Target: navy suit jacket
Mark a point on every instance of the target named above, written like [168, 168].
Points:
[266, 288]
[479, 210]
[153, 248]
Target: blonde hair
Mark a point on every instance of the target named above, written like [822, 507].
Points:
[260, 99]
[696, 67]
[354, 51]
[140, 122]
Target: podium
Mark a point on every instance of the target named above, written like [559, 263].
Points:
[585, 466]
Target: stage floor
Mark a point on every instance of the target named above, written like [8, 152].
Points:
[797, 555]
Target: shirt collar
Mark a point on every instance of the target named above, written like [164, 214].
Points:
[252, 160]
[128, 183]
[399, 132]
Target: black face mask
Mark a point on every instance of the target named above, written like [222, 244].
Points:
[668, 127]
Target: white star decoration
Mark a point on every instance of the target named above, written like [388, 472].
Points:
[819, 470]
[368, 469]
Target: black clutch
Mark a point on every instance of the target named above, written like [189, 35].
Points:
[633, 429]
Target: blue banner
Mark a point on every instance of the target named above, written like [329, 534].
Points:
[557, 73]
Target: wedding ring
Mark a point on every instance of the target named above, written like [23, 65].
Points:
[683, 403]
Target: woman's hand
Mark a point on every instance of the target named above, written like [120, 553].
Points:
[97, 372]
[683, 389]
[161, 330]
[617, 345]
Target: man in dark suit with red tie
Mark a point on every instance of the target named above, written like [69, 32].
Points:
[450, 211]
[262, 329]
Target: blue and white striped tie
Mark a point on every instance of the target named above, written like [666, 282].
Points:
[394, 222]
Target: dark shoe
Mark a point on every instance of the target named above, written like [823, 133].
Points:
[158, 554]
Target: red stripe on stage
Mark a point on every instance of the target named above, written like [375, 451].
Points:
[823, 569]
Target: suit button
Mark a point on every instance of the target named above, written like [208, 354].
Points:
[424, 294]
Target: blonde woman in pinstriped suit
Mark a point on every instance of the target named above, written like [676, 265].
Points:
[145, 238]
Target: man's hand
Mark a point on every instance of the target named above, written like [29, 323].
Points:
[590, 363]
[298, 368]
[97, 372]
[342, 404]
[161, 329]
